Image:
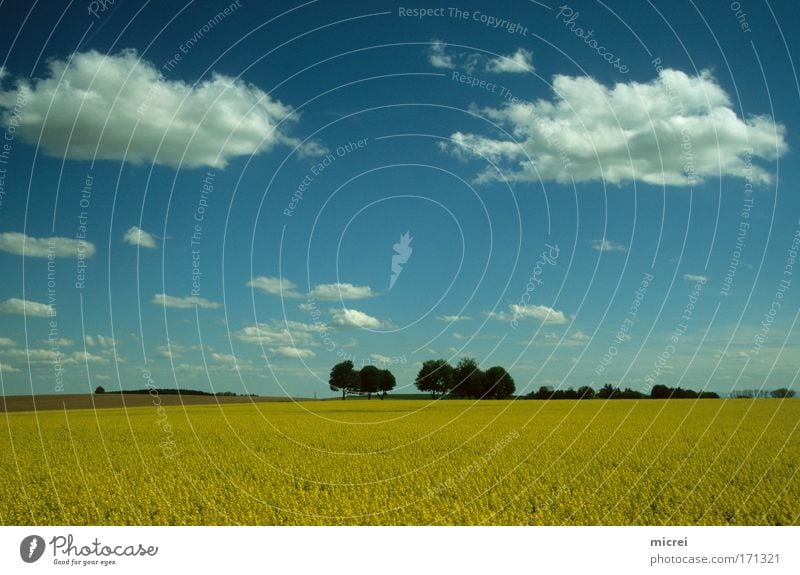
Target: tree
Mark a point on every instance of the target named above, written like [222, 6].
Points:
[608, 391]
[386, 382]
[660, 392]
[585, 392]
[369, 378]
[782, 392]
[435, 377]
[344, 378]
[544, 392]
[497, 383]
[467, 379]
[100, 389]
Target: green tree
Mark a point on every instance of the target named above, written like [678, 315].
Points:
[435, 377]
[344, 378]
[608, 391]
[386, 382]
[497, 383]
[782, 392]
[100, 389]
[369, 379]
[467, 379]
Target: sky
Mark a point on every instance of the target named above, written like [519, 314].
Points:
[237, 196]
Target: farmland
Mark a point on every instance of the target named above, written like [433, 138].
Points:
[398, 462]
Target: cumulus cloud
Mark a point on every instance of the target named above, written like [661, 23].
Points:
[338, 291]
[42, 356]
[224, 358]
[138, 237]
[274, 286]
[16, 242]
[91, 105]
[453, 318]
[7, 342]
[694, 278]
[183, 302]
[332, 292]
[607, 246]
[16, 306]
[5, 368]
[278, 334]
[354, 318]
[291, 351]
[99, 340]
[438, 56]
[675, 130]
[518, 62]
[519, 312]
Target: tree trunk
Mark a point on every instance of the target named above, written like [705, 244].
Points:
[343, 392]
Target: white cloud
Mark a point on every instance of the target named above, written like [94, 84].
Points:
[57, 342]
[5, 368]
[183, 302]
[354, 318]
[138, 237]
[274, 286]
[7, 342]
[41, 356]
[291, 351]
[18, 306]
[694, 278]
[224, 358]
[15, 242]
[578, 336]
[520, 312]
[335, 291]
[99, 340]
[86, 357]
[607, 246]
[172, 351]
[438, 56]
[674, 130]
[453, 318]
[92, 105]
[518, 62]
[338, 291]
[278, 334]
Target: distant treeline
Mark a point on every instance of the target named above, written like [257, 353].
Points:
[173, 391]
[608, 391]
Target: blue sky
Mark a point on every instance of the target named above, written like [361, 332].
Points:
[594, 193]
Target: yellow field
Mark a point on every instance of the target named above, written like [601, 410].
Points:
[407, 462]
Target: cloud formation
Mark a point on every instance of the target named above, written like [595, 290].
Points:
[136, 236]
[16, 242]
[113, 107]
[183, 302]
[520, 312]
[275, 286]
[336, 291]
[354, 318]
[607, 246]
[16, 306]
[675, 130]
[332, 292]
[519, 62]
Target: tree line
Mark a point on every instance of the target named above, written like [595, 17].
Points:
[608, 391]
[367, 381]
[465, 380]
